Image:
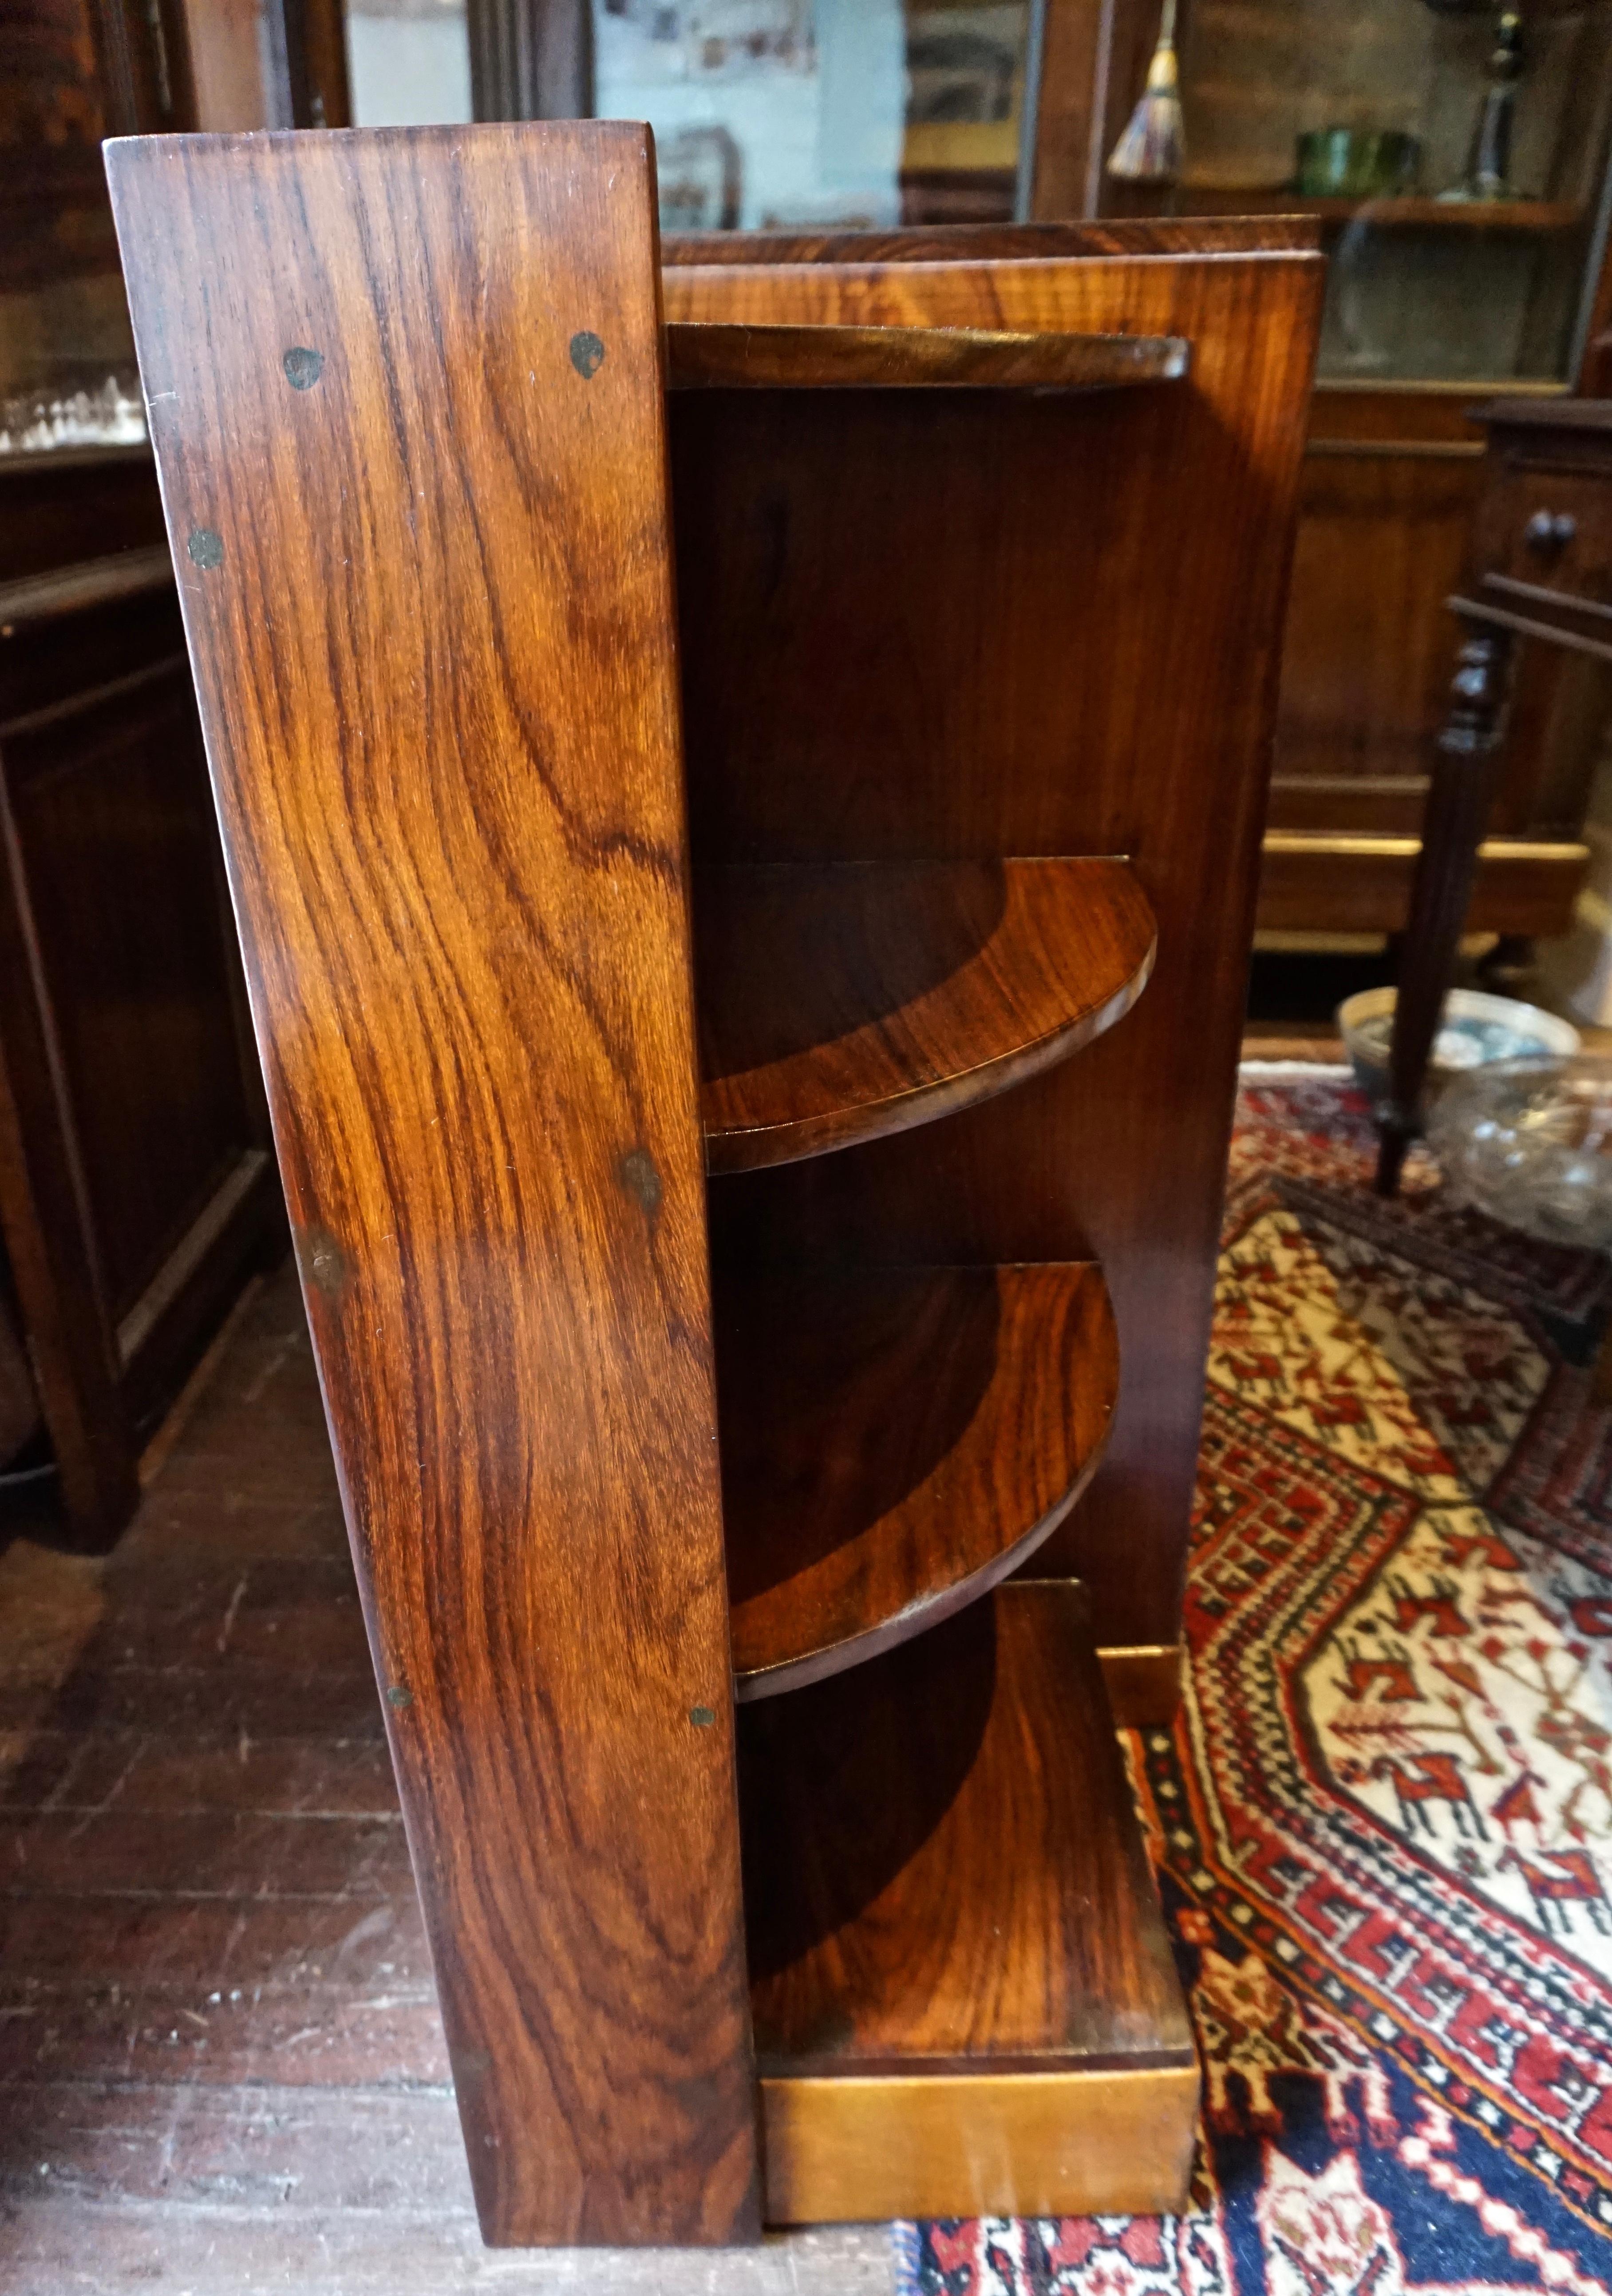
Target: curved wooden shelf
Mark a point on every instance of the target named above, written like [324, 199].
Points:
[893, 1443]
[712, 355]
[840, 1001]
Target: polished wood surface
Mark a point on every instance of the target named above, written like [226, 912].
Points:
[893, 1443]
[841, 1003]
[406, 401]
[1388, 484]
[1041, 241]
[956, 626]
[989, 2144]
[707, 356]
[924, 635]
[1072, 105]
[943, 1876]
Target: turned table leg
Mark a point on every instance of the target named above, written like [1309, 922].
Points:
[1457, 804]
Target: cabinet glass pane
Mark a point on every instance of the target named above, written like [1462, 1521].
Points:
[1455, 154]
[775, 114]
[66, 356]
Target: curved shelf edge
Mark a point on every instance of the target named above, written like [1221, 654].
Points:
[716, 355]
[1022, 1368]
[1069, 951]
[817, 1666]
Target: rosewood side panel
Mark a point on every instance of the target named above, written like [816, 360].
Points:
[406, 392]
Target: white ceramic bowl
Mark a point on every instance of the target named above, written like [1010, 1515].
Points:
[1476, 1028]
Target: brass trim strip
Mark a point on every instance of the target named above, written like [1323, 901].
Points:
[1320, 845]
[1397, 450]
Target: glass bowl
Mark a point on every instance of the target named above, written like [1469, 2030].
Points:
[1530, 1142]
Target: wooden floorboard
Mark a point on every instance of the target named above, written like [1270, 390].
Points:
[221, 2064]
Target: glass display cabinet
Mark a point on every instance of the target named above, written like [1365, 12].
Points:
[1455, 155]
[1453, 151]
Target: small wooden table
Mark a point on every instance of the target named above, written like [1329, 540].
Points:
[1538, 566]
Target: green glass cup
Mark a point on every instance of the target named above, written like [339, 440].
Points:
[1357, 163]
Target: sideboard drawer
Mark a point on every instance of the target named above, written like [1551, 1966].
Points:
[1551, 530]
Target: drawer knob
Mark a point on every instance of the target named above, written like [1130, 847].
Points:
[1550, 530]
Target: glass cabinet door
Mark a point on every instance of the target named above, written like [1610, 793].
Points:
[780, 114]
[1455, 152]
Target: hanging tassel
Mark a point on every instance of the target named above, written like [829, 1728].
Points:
[1153, 147]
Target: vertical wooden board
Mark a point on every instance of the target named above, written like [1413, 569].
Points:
[1004, 625]
[405, 394]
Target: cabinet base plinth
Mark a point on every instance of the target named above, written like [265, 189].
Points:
[1144, 1685]
[1042, 2144]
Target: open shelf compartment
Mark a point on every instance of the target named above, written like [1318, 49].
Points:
[963, 1992]
[840, 1001]
[893, 1444]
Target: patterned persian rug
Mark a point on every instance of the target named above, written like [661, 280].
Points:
[1383, 1826]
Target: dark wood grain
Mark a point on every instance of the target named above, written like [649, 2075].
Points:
[943, 1876]
[839, 1004]
[426, 584]
[1391, 478]
[710, 356]
[893, 1443]
[960, 625]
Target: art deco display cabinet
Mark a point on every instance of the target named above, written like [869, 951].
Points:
[705, 791]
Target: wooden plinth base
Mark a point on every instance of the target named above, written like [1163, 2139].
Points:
[1144, 1685]
[964, 1996]
[1032, 2145]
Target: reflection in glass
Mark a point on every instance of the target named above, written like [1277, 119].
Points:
[775, 114]
[1454, 152]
